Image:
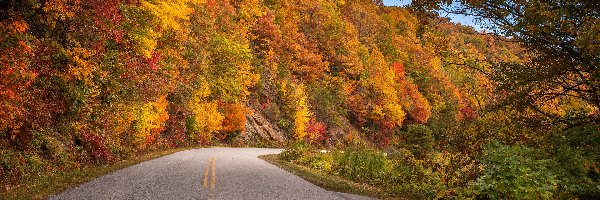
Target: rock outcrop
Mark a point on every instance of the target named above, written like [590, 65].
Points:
[256, 124]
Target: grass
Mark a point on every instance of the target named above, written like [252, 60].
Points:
[328, 181]
[44, 186]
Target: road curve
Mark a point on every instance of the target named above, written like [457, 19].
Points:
[209, 173]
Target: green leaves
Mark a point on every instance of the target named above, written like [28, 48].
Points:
[230, 67]
[515, 172]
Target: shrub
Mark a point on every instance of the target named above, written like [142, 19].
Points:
[294, 151]
[318, 161]
[413, 178]
[49, 147]
[361, 164]
[318, 129]
[514, 172]
[419, 139]
[17, 166]
[577, 154]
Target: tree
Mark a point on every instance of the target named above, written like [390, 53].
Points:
[562, 42]
[16, 74]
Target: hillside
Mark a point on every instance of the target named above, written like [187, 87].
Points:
[95, 82]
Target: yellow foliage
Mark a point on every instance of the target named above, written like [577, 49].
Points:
[284, 88]
[436, 64]
[383, 84]
[249, 9]
[553, 106]
[207, 119]
[58, 10]
[170, 13]
[403, 16]
[562, 107]
[146, 43]
[395, 113]
[231, 65]
[296, 97]
[149, 118]
[80, 66]
[302, 114]
[122, 118]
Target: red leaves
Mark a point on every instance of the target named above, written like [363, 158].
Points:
[266, 28]
[106, 10]
[117, 35]
[16, 75]
[467, 113]
[153, 61]
[399, 69]
[96, 146]
[317, 129]
[107, 17]
[420, 110]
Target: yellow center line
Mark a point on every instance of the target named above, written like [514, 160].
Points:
[211, 164]
[213, 176]
[205, 181]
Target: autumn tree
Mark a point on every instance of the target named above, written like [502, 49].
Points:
[561, 39]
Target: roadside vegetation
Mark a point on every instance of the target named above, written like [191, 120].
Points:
[326, 180]
[402, 172]
[49, 183]
[401, 98]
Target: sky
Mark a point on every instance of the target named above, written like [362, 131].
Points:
[464, 20]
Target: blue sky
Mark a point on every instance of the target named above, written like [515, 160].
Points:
[464, 20]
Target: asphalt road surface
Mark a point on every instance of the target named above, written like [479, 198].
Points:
[210, 173]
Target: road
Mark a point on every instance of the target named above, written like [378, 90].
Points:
[209, 173]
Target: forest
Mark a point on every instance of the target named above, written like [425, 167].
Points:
[403, 98]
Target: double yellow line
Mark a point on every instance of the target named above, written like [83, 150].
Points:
[210, 165]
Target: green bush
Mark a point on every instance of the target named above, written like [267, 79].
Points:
[294, 151]
[413, 178]
[15, 165]
[577, 154]
[327, 99]
[514, 172]
[301, 153]
[400, 173]
[361, 164]
[419, 139]
[318, 161]
[49, 147]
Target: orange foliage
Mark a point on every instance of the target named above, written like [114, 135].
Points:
[127, 75]
[419, 110]
[235, 117]
[16, 75]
